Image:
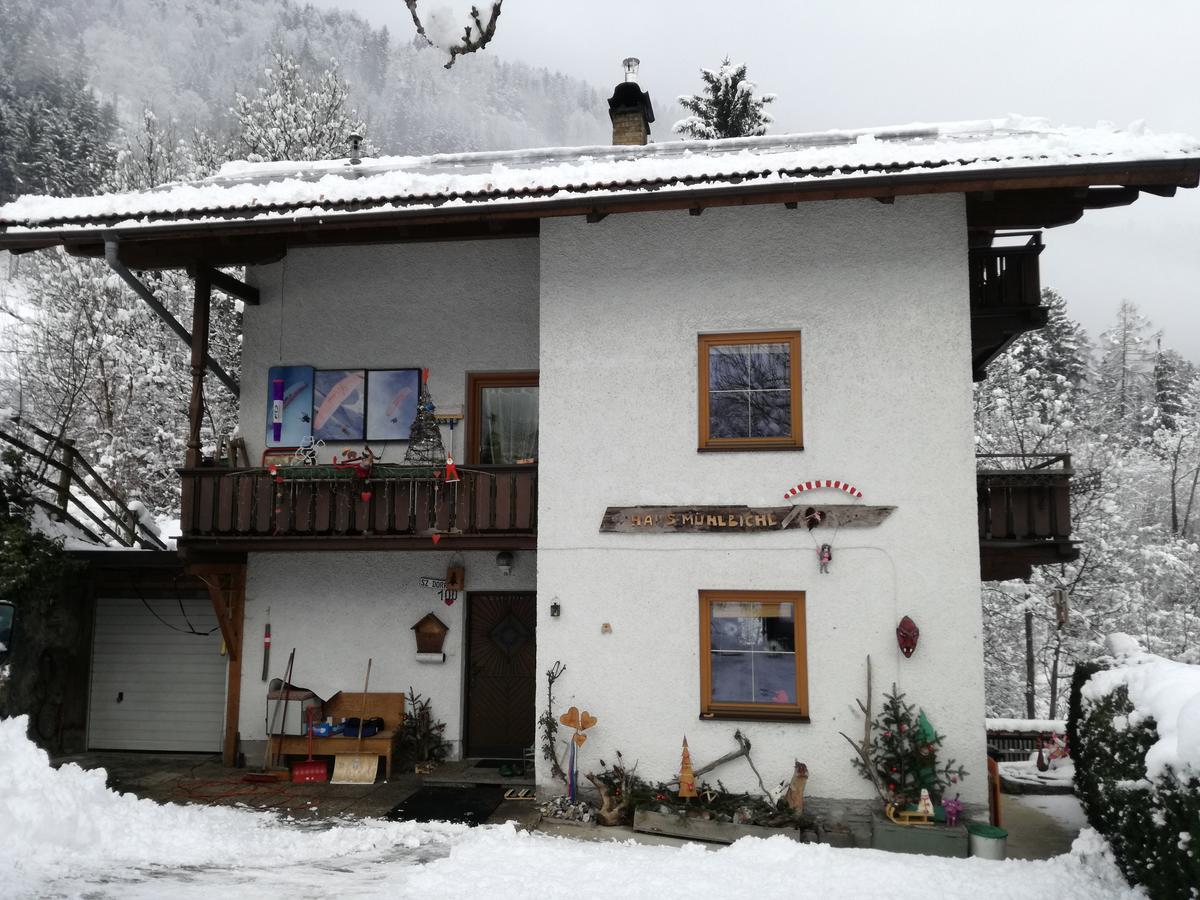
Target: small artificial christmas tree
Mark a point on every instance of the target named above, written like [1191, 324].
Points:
[727, 108]
[425, 446]
[904, 753]
[687, 779]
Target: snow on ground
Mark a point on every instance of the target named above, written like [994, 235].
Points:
[1061, 773]
[1027, 726]
[64, 834]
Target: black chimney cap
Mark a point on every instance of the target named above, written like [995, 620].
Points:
[628, 97]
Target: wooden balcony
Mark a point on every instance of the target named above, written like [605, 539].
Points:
[239, 510]
[1006, 297]
[1024, 513]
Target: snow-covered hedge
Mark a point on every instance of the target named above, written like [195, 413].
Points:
[1134, 732]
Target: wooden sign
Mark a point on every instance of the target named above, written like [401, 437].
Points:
[734, 519]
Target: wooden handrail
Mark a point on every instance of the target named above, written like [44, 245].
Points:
[125, 528]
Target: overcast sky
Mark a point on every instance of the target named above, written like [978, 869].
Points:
[847, 64]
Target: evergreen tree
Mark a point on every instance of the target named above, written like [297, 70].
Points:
[1124, 382]
[55, 135]
[295, 118]
[903, 751]
[727, 108]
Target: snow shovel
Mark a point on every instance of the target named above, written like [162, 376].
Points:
[357, 767]
[310, 770]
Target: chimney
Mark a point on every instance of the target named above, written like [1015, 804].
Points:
[629, 108]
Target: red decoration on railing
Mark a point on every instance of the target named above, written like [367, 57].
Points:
[907, 635]
[819, 483]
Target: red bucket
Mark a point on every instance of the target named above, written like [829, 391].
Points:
[310, 770]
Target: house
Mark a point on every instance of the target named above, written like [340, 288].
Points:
[670, 376]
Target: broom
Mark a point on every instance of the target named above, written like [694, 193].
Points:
[357, 767]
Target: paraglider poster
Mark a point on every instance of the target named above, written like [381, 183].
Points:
[339, 404]
[391, 403]
[289, 405]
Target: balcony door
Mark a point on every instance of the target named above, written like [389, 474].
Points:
[501, 665]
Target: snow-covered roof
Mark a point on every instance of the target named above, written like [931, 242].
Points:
[448, 183]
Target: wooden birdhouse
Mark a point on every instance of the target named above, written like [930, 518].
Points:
[431, 634]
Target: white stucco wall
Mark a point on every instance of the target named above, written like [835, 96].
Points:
[880, 295]
[339, 609]
[450, 307]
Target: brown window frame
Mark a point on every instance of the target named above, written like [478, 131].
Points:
[794, 441]
[476, 382]
[795, 712]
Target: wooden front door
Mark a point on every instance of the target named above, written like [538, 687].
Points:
[501, 664]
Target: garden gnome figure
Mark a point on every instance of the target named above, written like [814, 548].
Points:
[687, 779]
[824, 556]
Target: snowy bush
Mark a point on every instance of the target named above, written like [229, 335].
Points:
[1134, 732]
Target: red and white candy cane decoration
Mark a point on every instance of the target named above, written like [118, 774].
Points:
[827, 483]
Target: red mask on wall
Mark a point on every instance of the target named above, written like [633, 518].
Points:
[907, 635]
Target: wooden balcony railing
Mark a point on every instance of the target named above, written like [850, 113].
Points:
[1006, 296]
[1024, 512]
[242, 509]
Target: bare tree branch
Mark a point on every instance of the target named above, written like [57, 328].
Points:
[476, 36]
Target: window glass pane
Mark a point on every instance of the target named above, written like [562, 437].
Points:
[770, 413]
[729, 414]
[775, 677]
[732, 677]
[508, 425]
[769, 366]
[750, 390]
[728, 368]
[753, 657]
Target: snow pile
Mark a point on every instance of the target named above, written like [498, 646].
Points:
[66, 820]
[1167, 691]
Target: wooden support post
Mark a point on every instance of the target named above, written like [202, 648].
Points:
[66, 473]
[226, 585]
[199, 352]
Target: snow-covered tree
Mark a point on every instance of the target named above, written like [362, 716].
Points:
[292, 117]
[55, 135]
[444, 29]
[729, 106]
[1124, 373]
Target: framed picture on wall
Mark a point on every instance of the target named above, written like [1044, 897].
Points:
[289, 405]
[391, 403]
[339, 404]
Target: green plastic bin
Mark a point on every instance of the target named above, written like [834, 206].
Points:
[987, 841]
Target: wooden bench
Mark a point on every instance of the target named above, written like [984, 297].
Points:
[387, 706]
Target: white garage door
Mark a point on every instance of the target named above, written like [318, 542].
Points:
[155, 684]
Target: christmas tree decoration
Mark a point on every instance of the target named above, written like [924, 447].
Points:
[903, 755]
[907, 635]
[925, 804]
[687, 778]
[953, 808]
[803, 486]
[425, 438]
